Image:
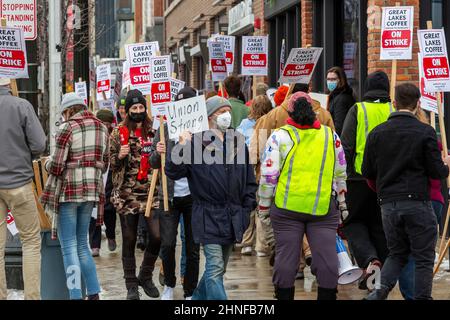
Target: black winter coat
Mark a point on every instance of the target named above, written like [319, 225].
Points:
[339, 105]
[223, 194]
[401, 155]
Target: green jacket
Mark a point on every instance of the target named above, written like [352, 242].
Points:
[239, 112]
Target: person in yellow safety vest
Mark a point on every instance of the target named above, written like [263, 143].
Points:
[301, 166]
[363, 227]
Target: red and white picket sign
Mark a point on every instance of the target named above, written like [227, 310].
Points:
[160, 84]
[126, 80]
[254, 56]
[81, 90]
[11, 224]
[397, 33]
[13, 54]
[21, 14]
[434, 60]
[138, 56]
[428, 100]
[300, 65]
[217, 60]
[104, 81]
[229, 48]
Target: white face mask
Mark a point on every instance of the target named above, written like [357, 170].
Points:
[223, 121]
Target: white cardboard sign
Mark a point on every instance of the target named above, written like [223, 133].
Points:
[397, 33]
[300, 65]
[160, 84]
[229, 48]
[187, 115]
[13, 54]
[103, 81]
[21, 14]
[11, 224]
[254, 56]
[81, 90]
[217, 60]
[435, 66]
[175, 87]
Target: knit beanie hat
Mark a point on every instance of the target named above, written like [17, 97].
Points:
[295, 97]
[71, 99]
[186, 93]
[280, 95]
[105, 115]
[215, 103]
[134, 97]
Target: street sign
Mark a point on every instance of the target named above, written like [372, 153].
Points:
[434, 62]
[21, 14]
[254, 56]
[397, 33]
[217, 60]
[300, 65]
[13, 54]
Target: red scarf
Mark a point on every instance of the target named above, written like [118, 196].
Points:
[315, 125]
[144, 166]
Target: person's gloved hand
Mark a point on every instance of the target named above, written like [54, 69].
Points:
[343, 210]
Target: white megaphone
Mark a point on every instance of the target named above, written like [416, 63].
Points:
[348, 273]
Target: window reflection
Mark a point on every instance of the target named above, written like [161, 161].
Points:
[351, 43]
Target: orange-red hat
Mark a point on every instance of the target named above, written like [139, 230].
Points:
[280, 95]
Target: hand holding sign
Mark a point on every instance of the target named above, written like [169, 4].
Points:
[185, 137]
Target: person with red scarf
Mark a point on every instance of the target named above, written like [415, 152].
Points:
[130, 163]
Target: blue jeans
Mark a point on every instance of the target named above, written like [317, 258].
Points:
[211, 286]
[406, 279]
[183, 249]
[73, 227]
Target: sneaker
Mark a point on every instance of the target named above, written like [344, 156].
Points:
[112, 245]
[93, 297]
[149, 288]
[167, 293]
[246, 251]
[261, 254]
[95, 252]
[300, 275]
[133, 294]
[188, 298]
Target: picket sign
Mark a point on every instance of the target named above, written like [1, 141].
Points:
[81, 90]
[396, 37]
[14, 90]
[103, 82]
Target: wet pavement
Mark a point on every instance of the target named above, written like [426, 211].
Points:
[247, 278]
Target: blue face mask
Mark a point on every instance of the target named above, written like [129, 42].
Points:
[332, 85]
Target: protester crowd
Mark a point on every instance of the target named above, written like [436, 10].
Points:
[288, 175]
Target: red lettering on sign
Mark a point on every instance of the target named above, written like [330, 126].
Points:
[140, 75]
[12, 59]
[436, 68]
[254, 60]
[161, 92]
[396, 39]
[297, 70]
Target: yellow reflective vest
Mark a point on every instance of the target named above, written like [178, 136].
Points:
[306, 177]
[370, 115]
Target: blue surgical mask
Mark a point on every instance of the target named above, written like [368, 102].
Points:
[332, 85]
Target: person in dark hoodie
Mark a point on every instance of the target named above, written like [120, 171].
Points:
[401, 155]
[363, 226]
[223, 188]
[180, 205]
[341, 97]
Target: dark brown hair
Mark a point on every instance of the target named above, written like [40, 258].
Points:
[147, 125]
[74, 110]
[343, 83]
[210, 94]
[406, 96]
[261, 105]
[232, 86]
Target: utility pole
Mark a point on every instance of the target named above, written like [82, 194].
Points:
[54, 41]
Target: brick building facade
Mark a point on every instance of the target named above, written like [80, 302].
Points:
[348, 30]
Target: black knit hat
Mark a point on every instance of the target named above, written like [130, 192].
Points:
[134, 97]
[186, 93]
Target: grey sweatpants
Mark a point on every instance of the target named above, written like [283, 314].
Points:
[289, 228]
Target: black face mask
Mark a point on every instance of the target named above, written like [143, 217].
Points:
[138, 117]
